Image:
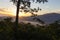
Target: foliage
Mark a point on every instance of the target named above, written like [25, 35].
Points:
[25, 5]
[29, 31]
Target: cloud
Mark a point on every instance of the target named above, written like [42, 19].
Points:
[2, 10]
[5, 12]
[9, 12]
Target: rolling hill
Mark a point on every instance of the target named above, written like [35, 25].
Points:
[47, 18]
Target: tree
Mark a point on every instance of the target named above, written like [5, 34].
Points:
[39, 20]
[24, 4]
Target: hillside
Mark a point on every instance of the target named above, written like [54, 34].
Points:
[47, 18]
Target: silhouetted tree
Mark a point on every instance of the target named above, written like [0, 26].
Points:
[39, 20]
[25, 3]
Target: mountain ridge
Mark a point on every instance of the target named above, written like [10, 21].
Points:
[47, 18]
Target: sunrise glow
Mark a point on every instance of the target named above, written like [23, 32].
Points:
[20, 13]
[7, 8]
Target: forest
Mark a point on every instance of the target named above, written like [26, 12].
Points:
[28, 31]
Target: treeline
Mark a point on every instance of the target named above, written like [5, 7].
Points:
[28, 31]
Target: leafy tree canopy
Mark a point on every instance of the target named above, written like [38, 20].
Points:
[24, 4]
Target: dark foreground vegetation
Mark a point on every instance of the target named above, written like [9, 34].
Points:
[28, 31]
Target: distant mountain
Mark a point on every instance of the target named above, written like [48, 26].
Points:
[47, 18]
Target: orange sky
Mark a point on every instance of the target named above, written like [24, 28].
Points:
[5, 12]
[12, 12]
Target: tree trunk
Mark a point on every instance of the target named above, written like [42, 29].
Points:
[17, 13]
[16, 21]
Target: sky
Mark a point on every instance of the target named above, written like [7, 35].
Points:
[7, 7]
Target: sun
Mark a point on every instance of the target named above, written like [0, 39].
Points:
[24, 14]
[20, 13]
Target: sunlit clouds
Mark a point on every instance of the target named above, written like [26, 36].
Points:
[12, 12]
[5, 12]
